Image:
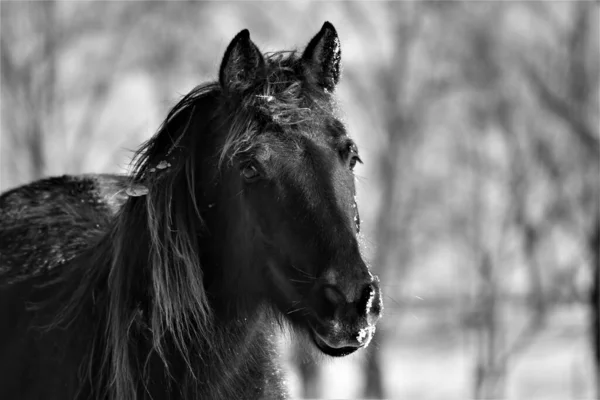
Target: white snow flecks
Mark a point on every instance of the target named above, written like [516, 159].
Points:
[163, 165]
[365, 335]
[136, 190]
[370, 301]
[267, 98]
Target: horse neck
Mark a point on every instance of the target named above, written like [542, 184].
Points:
[213, 362]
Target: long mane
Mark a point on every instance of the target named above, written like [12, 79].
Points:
[169, 220]
[143, 278]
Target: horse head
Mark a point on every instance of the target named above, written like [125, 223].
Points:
[281, 194]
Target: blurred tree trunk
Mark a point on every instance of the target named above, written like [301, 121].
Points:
[594, 245]
[399, 116]
[490, 368]
[31, 86]
[309, 372]
[483, 74]
[47, 92]
[401, 110]
[490, 374]
[577, 107]
[373, 378]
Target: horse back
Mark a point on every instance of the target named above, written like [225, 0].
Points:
[46, 223]
[43, 225]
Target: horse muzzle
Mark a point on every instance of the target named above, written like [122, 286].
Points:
[345, 320]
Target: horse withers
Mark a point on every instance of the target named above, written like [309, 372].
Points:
[240, 215]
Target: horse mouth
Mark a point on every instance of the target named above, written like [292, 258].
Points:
[329, 350]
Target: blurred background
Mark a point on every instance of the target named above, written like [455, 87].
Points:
[479, 126]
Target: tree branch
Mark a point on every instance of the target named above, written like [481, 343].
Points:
[562, 108]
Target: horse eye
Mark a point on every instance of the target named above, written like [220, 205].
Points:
[351, 154]
[250, 173]
[353, 160]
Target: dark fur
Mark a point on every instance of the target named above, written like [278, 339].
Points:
[64, 216]
[178, 293]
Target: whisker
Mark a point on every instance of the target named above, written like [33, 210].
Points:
[303, 272]
[392, 299]
[299, 281]
[296, 310]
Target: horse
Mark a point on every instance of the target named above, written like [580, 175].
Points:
[239, 219]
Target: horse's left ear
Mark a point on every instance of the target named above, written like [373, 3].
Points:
[322, 58]
[242, 63]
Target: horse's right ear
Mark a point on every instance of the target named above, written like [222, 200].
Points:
[242, 63]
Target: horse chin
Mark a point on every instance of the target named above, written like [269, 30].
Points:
[328, 350]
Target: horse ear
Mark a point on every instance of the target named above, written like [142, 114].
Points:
[242, 63]
[322, 58]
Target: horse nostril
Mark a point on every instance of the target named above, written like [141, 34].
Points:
[366, 299]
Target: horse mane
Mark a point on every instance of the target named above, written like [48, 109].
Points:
[178, 311]
[144, 276]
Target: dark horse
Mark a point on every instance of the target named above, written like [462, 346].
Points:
[171, 284]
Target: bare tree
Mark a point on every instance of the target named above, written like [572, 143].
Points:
[573, 100]
[31, 85]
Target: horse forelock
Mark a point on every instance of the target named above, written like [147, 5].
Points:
[282, 98]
